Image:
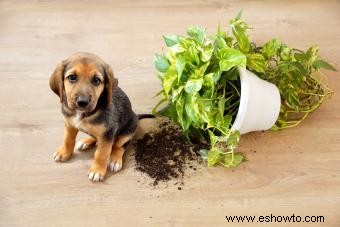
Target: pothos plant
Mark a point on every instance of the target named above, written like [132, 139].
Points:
[201, 86]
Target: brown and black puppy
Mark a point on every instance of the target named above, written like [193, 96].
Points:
[92, 102]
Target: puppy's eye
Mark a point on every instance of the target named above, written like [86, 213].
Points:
[72, 78]
[96, 81]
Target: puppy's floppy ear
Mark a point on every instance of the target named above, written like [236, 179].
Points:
[57, 80]
[111, 83]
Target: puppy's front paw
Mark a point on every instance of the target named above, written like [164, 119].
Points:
[97, 173]
[116, 163]
[62, 155]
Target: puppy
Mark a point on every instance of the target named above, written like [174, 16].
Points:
[92, 102]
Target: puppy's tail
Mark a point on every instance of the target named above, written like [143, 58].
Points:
[141, 116]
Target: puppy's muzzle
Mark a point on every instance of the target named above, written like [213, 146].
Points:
[82, 101]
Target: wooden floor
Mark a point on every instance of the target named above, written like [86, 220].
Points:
[296, 171]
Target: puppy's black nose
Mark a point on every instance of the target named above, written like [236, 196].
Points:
[83, 101]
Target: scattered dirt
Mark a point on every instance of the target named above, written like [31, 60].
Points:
[164, 154]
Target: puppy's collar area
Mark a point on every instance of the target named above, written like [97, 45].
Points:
[87, 114]
[80, 115]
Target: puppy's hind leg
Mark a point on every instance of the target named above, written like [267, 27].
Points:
[86, 144]
[116, 159]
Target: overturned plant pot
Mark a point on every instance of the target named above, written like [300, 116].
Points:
[259, 103]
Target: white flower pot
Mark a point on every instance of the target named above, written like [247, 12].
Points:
[259, 104]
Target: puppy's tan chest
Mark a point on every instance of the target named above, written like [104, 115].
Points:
[84, 125]
[77, 121]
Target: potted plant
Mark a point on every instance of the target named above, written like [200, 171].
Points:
[210, 89]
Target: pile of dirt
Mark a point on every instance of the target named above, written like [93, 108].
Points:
[164, 154]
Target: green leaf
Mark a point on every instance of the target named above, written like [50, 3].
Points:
[319, 63]
[239, 15]
[200, 71]
[274, 128]
[219, 41]
[299, 68]
[270, 48]
[209, 83]
[193, 85]
[176, 92]
[186, 125]
[168, 80]
[256, 62]
[217, 76]
[193, 55]
[223, 124]
[231, 57]
[179, 109]
[208, 80]
[206, 53]
[170, 40]
[300, 57]
[312, 52]
[180, 65]
[197, 33]
[291, 97]
[177, 48]
[214, 156]
[239, 30]
[232, 160]
[233, 139]
[285, 53]
[189, 107]
[161, 63]
[221, 103]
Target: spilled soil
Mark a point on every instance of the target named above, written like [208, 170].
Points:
[164, 154]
